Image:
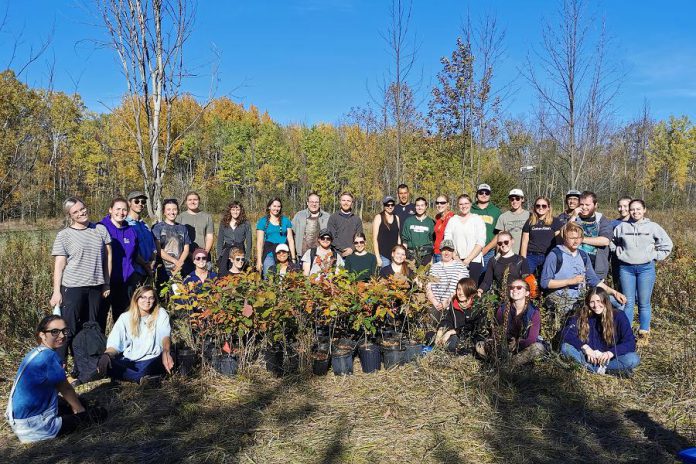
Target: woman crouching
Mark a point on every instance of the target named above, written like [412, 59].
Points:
[464, 324]
[138, 346]
[599, 337]
[522, 324]
[34, 409]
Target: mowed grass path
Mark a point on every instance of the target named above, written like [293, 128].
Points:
[442, 409]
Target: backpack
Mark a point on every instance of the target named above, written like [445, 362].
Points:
[88, 345]
[559, 258]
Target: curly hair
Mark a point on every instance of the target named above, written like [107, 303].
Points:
[227, 216]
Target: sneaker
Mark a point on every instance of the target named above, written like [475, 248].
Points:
[74, 382]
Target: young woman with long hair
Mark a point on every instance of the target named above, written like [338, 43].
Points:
[398, 264]
[599, 337]
[138, 345]
[505, 264]
[538, 234]
[361, 262]
[444, 214]
[235, 231]
[640, 243]
[385, 232]
[272, 230]
[34, 410]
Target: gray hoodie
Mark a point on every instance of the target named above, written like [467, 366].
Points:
[641, 242]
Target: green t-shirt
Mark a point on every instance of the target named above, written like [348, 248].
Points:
[417, 233]
[490, 215]
[364, 266]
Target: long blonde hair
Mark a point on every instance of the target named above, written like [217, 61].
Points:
[134, 310]
[546, 218]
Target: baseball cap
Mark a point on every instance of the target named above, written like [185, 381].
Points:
[447, 244]
[388, 199]
[573, 193]
[324, 232]
[282, 247]
[135, 194]
[516, 193]
[200, 251]
[484, 187]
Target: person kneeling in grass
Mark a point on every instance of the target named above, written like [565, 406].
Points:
[522, 324]
[138, 346]
[463, 324]
[34, 410]
[599, 337]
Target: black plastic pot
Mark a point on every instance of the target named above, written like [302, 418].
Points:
[392, 354]
[345, 344]
[186, 361]
[342, 362]
[414, 350]
[320, 363]
[370, 358]
[225, 364]
[274, 360]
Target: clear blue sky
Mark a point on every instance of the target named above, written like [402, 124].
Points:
[310, 61]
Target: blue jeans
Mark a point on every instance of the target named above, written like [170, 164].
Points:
[268, 261]
[124, 369]
[623, 363]
[437, 258]
[637, 282]
[385, 261]
[487, 257]
[535, 261]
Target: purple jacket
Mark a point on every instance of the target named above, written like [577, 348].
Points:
[624, 341]
[124, 250]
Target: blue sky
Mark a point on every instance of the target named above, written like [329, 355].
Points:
[310, 61]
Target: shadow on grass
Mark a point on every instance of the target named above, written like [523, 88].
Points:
[174, 423]
[546, 415]
[336, 448]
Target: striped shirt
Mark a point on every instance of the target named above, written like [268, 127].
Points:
[446, 277]
[85, 253]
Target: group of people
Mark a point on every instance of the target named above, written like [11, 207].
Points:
[118, 264]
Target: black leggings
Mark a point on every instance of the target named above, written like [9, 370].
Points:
[118, 299]
[72, 421]
[80, 305]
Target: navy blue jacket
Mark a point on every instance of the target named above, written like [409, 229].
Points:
[624, 341]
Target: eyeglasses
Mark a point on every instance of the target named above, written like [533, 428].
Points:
[200, 258]
[139, 201]
[56, 332]
[325, 237]
[484, 192]
[541, 206]
[503, 242]
[514, 198]
[440, 202]
[517, 287]
[390, 205]
[359, 242]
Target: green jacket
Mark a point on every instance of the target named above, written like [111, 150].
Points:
[417, 233]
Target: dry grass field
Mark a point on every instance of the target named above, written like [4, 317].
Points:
[442, 409]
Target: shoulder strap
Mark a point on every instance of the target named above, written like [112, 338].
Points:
[559, 258]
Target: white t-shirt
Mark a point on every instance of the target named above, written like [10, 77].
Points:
[148, 343]
[467, 235]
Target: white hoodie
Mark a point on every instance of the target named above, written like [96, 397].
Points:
[641, 242]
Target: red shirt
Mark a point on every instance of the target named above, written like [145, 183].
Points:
[440, 224]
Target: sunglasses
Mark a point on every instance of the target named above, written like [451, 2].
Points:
[484, 192]
[326, 237]
[56, 332]
[242, 259]
[514, 198]
[440, 202]
[359, 242]
[503, 242]
[139, 201]
[541, 206]
[517, 287]
[390, 205]
[200, 258]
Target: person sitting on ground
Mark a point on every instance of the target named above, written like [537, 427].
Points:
[34, 410]
[323, 259]
[361, 263]
[201, 274]
[398, 265]
[599, 337]
[464, 324]
[568, 269]
[445, 275]
[504, 263]
[522, 322]
[138, 346]
[283, 265]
